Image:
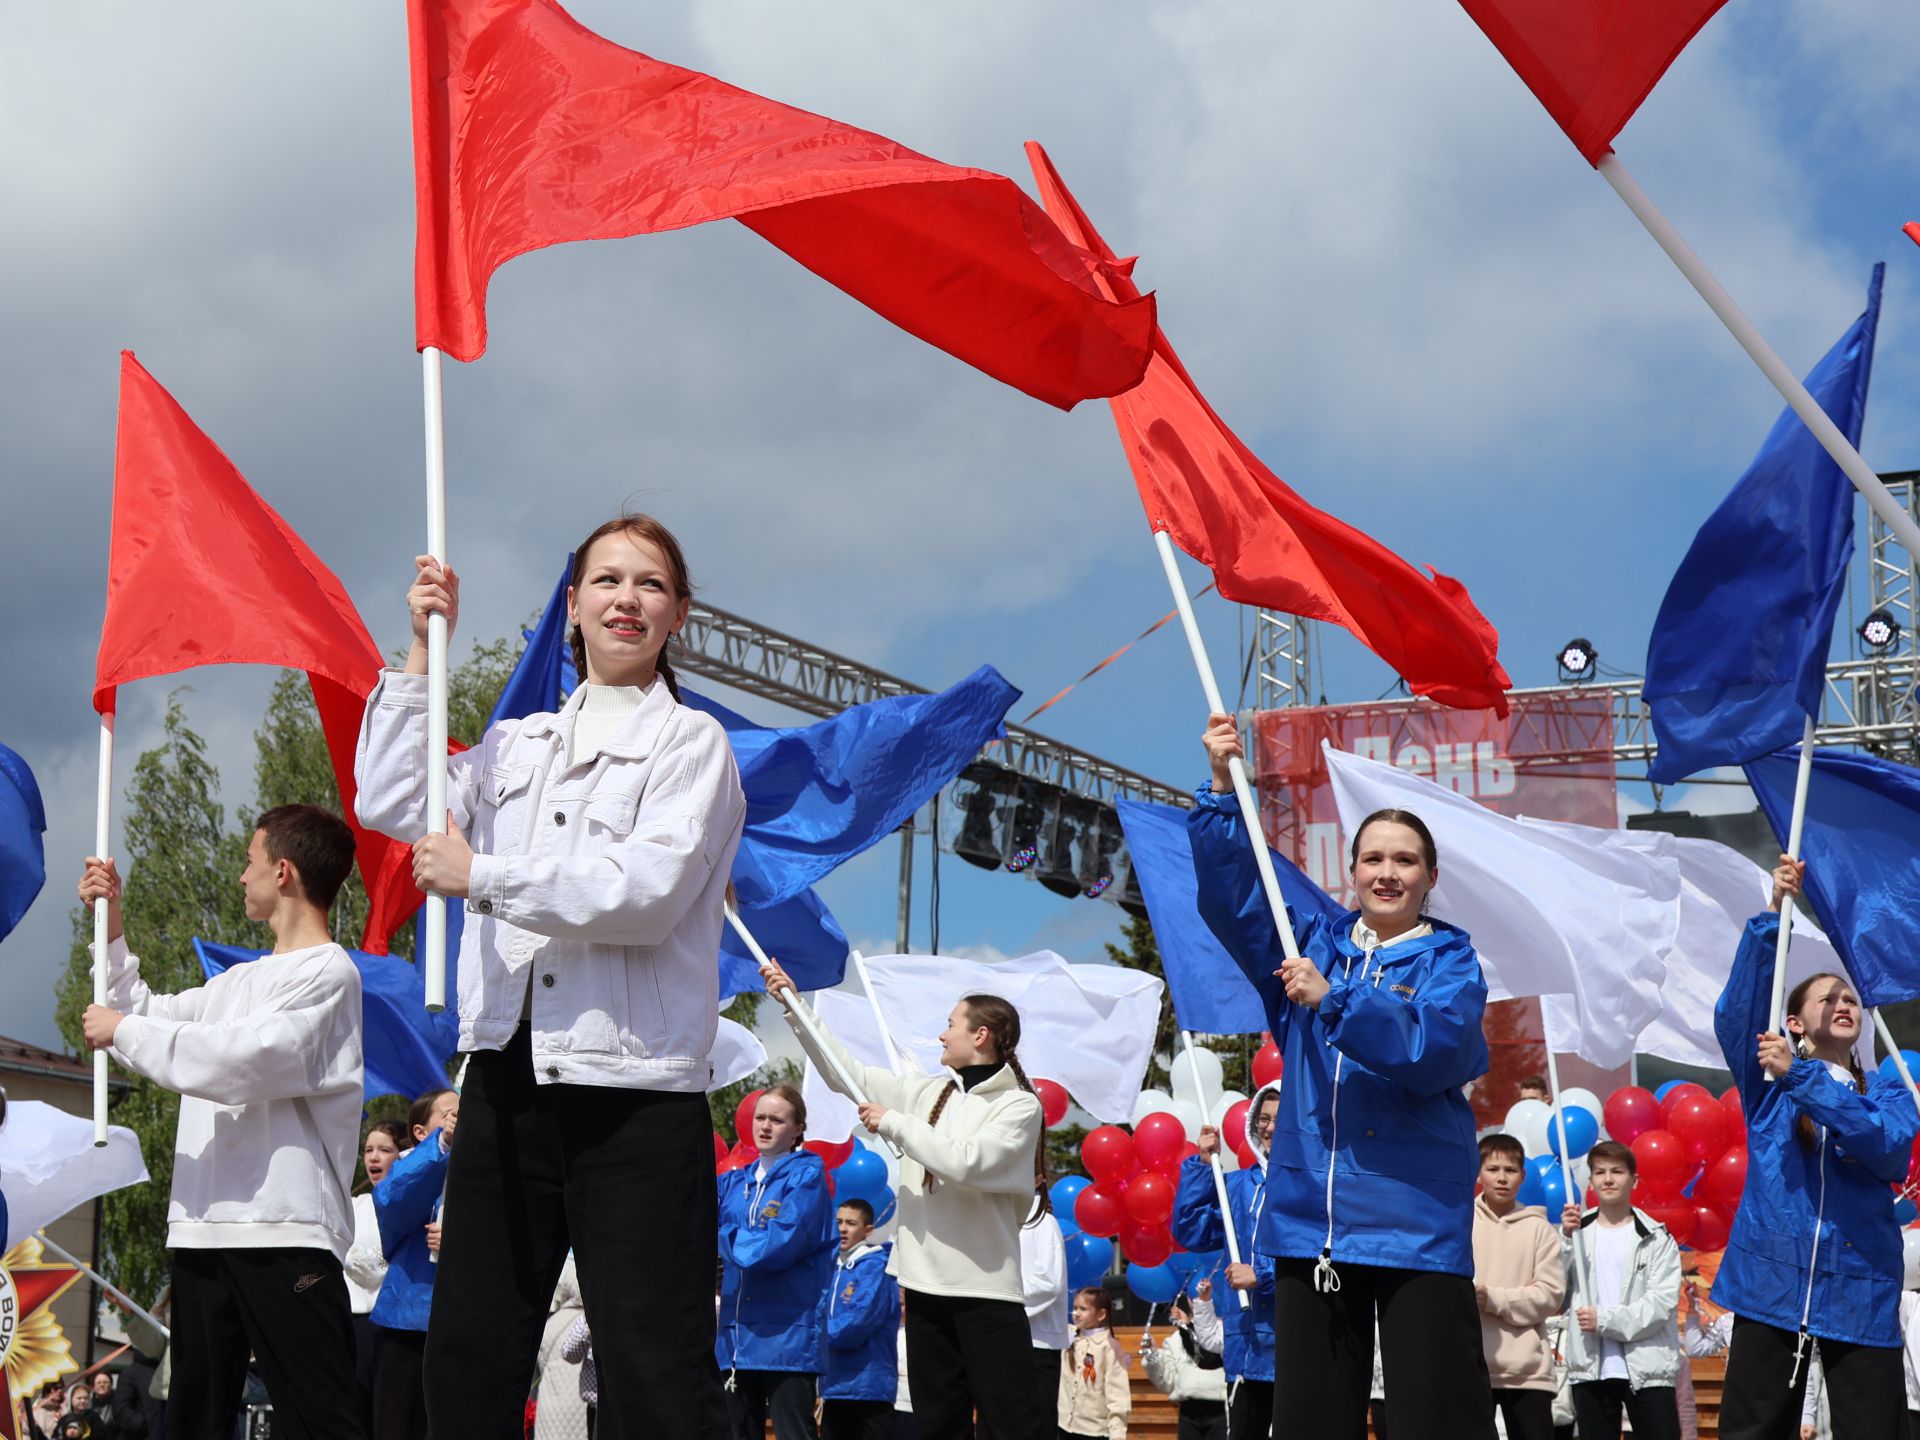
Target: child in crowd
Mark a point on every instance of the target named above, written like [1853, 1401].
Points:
[1247, 1329]
[1520, 1282]
[577, 1349]
[1815, 1250]
[407, 1205]
[975, 1169]
[1095, 1398]
[858, 1317]
[1191, 1376]
[777, 1239]
[1534, 1087]
[591, 849]
[266, 1058]
[1625, 1341]
[1369, 1194]
[1043, 1283]
[366, 1262]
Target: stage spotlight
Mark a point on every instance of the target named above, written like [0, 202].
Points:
[1056, 870]
[1096, 853]
[1880, 632]
[1027, 816]
[1577, 660]
[976, 843]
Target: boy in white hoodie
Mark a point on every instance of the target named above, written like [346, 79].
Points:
[266, 1058]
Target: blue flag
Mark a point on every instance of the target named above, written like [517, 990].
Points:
[23, 824]
[1738, 655]
[1210, 994]
[1861, 842]
[405, 1050]
[800, 933]
[544, 676]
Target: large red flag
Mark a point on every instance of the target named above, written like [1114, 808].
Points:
[201, 571]
[1591, 62]
[1265, 545]
[530, 130]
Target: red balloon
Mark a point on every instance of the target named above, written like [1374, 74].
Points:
[731, 1162]
[1630, 1112]
[1145, 1246]
[1678, 1217]
[1726, 1177]
[745, 1151]
[1672, 1099]
[1157, 1137]
[719, 1147]
[1053, 1101]
[1244, 1154]
[1149, 1200]
[1700, 1122]
[1100, 1210]
[1233, 1124]
[1108, 1154]
[833, 1153]
[1267, 1063]
[743, 1114]
[1664, 1163]
[1710, 1228]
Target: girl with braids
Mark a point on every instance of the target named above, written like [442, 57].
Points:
[975, 1169]
[591, 849]
[1815, 1250]
[777, 1243]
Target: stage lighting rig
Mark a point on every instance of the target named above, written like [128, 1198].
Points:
[1578, 660]
[1879, 632]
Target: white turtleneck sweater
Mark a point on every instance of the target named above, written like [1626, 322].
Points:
[602, 711]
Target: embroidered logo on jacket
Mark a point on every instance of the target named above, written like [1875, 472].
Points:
[1406, 990]
[772, 1211]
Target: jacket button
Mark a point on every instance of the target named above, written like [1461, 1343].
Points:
[559, 817]
[547, 980]
[485, 907]
[553, 1072]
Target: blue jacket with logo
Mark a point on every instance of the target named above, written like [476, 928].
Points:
[777, 1241]
[403, 1203]
[1848, 1285]
[1372, 1089]
[859, 1320]
[1246, 1330]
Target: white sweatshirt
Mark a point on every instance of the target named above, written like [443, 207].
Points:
[266, 1059]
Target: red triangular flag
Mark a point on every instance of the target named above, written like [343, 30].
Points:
[202, 571]
[1591, 62]
[530, 130]
[1265, 545]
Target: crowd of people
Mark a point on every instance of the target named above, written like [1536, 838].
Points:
[1386, 1272]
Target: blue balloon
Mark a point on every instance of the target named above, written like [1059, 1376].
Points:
[1905, 1212]
[1582, 1130]
[1156, 1284]
[1065, 1191]
[861, 1176]
[1181, 1262]
[1088, 1260]
[1892, 1072]
[1530, 1192]
[1553, 1184]
[883, 1205]
[1661, 1093]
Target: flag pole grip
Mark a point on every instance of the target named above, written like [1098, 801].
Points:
[433, 943]
[1784, 380]
[1219, 1173]
[1582, 1286]
[102, 838]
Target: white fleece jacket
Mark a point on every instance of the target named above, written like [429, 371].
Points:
[266, 1059]
[966, 1184]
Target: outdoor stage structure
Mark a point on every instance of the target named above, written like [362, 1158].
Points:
[1035, 807]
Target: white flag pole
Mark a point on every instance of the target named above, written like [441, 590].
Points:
[1581, 1287]
[433, 948]
[1784, 380]
[1899, 1060]
[1219, 1171]
[102, 816]
[894, 1061]
[94, 1275]
[1776, 1011]
[1216, 703]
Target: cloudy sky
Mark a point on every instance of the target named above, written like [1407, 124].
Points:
[1386, 267]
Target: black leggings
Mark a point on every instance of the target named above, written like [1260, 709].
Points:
[966, 1355]
[1866, 1386]
[785, 1396]
[1430, 1352]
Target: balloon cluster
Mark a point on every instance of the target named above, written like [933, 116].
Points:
[854, 1172]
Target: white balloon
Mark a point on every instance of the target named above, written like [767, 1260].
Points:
[1218, 1114]
[1527, 1122]
[1212, 1077]
[1586, 1100]
[1151, 1102]
[1189, 1117]
[1910, 1247]
[1581, 1173]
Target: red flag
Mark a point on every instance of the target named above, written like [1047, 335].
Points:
[201, 571]
[1591, 62]
[1265, 545]
[530, 130]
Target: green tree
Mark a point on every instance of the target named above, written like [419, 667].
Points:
[1141, 951]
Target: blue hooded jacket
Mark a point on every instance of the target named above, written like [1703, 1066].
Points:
[1393, 1043]
[1247, 1330]
[859, 1320]
[403, 1204]
[778, 1241]
[1848, 1287]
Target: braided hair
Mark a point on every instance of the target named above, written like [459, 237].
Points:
[1002, 1023]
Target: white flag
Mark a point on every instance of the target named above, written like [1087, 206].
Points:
[736, 1053]
[1553, 908]
[49, 1165]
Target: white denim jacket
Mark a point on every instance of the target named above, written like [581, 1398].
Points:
[597, 888]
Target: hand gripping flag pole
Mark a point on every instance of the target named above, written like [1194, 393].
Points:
[435, 938]
[102, 815]
[1776, 1012]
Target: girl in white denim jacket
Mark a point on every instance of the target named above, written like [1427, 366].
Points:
[591, 849]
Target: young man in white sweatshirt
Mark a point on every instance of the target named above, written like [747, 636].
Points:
[266, 1058]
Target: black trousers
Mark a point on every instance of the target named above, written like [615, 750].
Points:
[856, 1419]
[1866, 1386]
[1203, 1420]
[399, 1400]
[289, 1308]
[1655, 1413]
[785, 1396]
[1046, 1384]
[1250, 1416]
[626, 1178]
[966, 1355]
[1528, 1414]
[1430, 1353]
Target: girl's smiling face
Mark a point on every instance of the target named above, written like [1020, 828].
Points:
[625, 607]
[1391, 875]
[963, 1042]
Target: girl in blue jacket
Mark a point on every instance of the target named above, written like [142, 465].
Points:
[1815, 1250]
[1247, 1332]
[777, 1240]
[405, 1202]
[1368, 1210]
